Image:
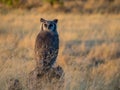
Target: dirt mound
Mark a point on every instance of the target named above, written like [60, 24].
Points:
[49, 80]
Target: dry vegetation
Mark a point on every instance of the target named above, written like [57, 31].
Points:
[89, 49]
[81, 6]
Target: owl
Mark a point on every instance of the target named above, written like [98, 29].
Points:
[47, 44]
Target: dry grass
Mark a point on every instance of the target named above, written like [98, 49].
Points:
[89, 49]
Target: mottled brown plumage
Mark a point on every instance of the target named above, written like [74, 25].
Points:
[47, 45]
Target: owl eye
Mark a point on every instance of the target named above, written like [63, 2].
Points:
[50, 26]
[45, 25]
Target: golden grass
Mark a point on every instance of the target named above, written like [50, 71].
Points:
[89, 49]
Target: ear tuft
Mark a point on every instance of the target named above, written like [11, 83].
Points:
[42, 20]
[55, 20]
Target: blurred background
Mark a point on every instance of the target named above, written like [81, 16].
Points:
[81, 6]
[89, 32]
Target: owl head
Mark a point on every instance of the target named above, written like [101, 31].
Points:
[48, 25]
